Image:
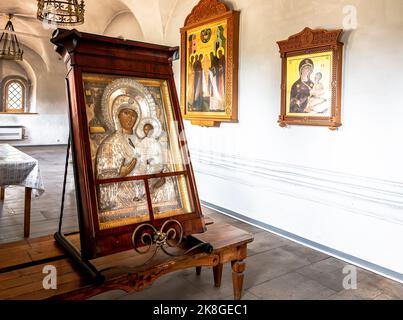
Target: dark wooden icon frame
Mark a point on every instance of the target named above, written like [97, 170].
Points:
[87, 53]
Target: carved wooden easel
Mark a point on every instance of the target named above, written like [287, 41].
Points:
[111, 58]
[144, 274]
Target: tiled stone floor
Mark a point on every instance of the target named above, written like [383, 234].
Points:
[276, 267]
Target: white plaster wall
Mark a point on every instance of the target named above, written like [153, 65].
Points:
[8, 67]
[49, 123]
[341, 189]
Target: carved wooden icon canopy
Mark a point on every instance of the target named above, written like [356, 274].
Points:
[205, 10]
[309, 45]
[309, 39]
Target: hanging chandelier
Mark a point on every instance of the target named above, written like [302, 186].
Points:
[9, 45]
[61, 12]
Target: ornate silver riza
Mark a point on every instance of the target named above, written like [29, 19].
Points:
[120, 148]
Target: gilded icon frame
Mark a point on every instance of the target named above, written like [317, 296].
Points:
[208, 15]
[301, 102]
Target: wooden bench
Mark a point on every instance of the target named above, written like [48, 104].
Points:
[22, 263]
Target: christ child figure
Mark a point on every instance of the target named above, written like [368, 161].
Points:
[316, 98]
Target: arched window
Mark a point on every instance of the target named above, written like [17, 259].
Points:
[14, 96]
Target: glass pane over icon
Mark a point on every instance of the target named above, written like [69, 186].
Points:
[133, 138]
[309, 85]
[206, 68]
[122, 204]
[167, 196]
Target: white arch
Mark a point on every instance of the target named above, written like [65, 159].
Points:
[30, 33]
[167, 9]
[34, 66]
[39, 45]
[148, 15]
[124, 24]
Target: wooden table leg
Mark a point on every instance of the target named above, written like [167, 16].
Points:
[198, 271]
[238, 267]
[217, 271]
[2, 193]
[27, 212]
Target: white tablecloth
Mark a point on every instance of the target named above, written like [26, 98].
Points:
[19, 169]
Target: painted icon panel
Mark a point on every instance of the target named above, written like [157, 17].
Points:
[133, 136]
[309, 84]
[206, 56]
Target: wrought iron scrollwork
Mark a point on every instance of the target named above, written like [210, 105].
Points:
[146, 238]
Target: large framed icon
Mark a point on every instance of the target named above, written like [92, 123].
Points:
[209, 64]
[312, 78]
[130, 149]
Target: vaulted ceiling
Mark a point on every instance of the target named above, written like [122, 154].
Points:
[141, 20]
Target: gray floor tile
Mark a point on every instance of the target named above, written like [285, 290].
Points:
[205, 282]
[306, 253]
[366, 290]
[384, 296]
[246, 296]
[264, 241]
[272, 264]
[328, 272]
[292, 286]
